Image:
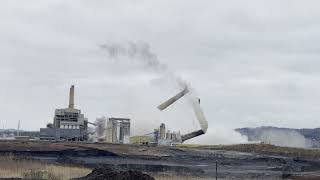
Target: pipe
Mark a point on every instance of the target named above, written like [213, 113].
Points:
[173, 99]
[192, 135]
[94, 124]
[71, 97]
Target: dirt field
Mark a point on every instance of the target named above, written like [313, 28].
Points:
[186, 162]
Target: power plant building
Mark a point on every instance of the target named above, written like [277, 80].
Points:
[118, 130]
[163, 137]
[68, 124]
[158, 137]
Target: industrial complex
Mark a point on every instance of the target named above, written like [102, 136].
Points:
[69, 124]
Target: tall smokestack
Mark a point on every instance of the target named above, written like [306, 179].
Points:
[71, 97]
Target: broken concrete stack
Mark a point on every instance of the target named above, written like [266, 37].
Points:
[197, 110]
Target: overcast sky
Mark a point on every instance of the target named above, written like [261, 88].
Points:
[253, 63]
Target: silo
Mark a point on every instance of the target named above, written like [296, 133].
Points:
[162, 131]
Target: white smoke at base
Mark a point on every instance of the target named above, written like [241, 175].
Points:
[285, 138]
[219, 135]
[100, 128]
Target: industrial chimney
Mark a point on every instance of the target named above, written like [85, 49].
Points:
[71, 98]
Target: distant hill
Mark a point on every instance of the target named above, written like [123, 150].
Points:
[283, 136]
[8, 130]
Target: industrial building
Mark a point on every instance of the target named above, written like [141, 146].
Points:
[163, 137]
[158, 137]
[112, 130]
[118, 130]
[71, 125]
[68, 124]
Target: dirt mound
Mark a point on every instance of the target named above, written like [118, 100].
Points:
[114, 174]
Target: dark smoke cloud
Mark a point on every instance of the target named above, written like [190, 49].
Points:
[139, 51]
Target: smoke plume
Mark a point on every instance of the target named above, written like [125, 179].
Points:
[141, 52]
[285, 138]
[220, 135]
[100, 127]
[138, 51]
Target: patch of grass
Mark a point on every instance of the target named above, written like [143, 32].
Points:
[41, 174]
[16, 167]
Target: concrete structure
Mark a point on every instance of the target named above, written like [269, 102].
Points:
[71, 97]
[69, 119]
[118, 130]
[68, 124]
[162, 131]
[63, 134]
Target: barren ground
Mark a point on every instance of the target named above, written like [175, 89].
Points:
[251, 161]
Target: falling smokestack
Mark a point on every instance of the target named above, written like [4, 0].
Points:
[192, 135]
[71, 97]
[199, 114]
[173, 99]
[197, 110]
[201, 119]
